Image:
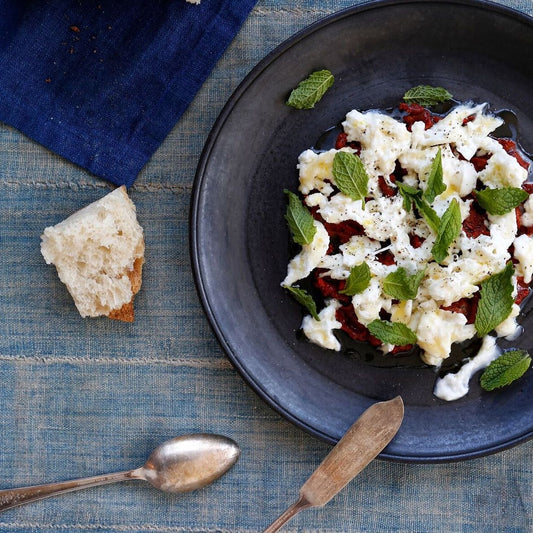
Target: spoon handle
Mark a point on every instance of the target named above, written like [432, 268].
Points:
[295, 508]
[13, 497]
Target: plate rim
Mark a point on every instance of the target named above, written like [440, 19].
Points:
[194, 214]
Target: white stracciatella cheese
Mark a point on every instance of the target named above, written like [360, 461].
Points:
[383, 140]
[455, 386]
[523, 251]
[437, 330]
[310, 256]
[385, 143]
[321, 331]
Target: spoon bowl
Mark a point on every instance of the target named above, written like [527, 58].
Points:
[181, 464]
[189, 462]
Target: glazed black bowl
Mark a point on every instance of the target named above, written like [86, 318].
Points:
[240, 245]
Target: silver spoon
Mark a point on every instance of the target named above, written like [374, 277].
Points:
[181, 464]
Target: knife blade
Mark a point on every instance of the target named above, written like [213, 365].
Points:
[363, 441]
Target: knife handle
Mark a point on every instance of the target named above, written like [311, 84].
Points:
[295, 508]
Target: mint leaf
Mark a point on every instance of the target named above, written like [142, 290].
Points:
[401, 285]
[496, 301]
[435, 184]
[429, 214]
[392, 332]
[350, 175]
[303, 298]
[358, 280]
[311, 90]
[300, 220]
[507, 368]
[501, 201]
[427, 95]
[449, 229]
[412, 194]
[409, 194]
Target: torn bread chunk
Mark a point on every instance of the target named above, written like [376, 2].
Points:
[99, 253]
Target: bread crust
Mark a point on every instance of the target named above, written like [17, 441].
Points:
[126, 313]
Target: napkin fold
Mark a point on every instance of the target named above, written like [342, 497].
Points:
[102, 82]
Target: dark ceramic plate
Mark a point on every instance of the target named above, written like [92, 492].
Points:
[240, 244]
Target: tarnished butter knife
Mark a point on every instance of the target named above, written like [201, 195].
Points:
[368, 436]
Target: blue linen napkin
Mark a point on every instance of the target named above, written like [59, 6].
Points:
[103, 82]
